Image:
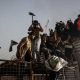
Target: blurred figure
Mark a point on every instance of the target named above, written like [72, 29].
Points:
[24, 48]
[70, 27]
[61, 30]
[60, 26]
[77, 25]
[35, 28]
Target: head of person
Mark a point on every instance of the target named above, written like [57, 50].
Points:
[44, 37]
[35, 22]
[69, 21]
[60, 27]
[78, 15]
[51, 32]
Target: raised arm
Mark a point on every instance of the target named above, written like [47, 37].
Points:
[30, 28]
[41, 29]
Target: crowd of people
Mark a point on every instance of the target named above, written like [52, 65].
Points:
[58, 42]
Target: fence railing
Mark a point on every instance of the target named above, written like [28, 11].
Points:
[14, 70]
[20, 70]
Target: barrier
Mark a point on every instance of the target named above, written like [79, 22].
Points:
[18, 70]
[13, 70]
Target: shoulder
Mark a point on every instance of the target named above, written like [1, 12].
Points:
[76, 21]
[23, 39]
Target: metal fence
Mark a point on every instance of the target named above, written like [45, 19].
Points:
[12, 70]
[69, 73]
[21, 70]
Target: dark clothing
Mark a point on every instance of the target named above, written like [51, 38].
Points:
[53, 75]
[51, 44]
[64, 34]
[71, 28]
[68, 51]
[77, 27]
[35, 29]
[28, 56]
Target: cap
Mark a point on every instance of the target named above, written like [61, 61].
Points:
[35, 22]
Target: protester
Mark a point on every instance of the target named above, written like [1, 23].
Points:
[77, 25]
[35, 28]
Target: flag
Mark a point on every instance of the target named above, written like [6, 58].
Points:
[12, 44]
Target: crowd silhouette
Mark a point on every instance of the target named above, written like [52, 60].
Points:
[58, 42]
[38, 48]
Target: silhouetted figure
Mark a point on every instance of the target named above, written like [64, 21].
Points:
[51, 41]
[43, 46]
[61, 30]
[70, 27]
[35, 28]
[77, 25]
[59, 27]
[24, 48]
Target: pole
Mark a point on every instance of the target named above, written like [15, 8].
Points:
[46, 25]
[32, 14]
